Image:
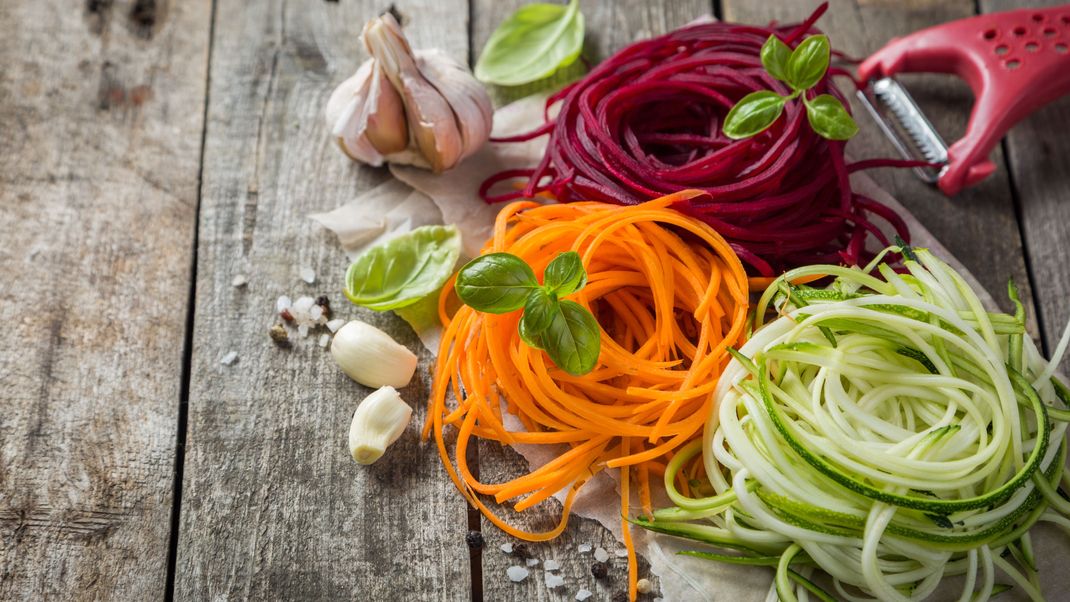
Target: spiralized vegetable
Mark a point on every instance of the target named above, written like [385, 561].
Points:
[888, 431]
[647, 122]
[669, 295]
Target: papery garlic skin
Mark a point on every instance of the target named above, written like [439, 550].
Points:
[371, 357]
[418, 108]
[379, 421]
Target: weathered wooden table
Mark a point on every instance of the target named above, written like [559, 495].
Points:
[150, 151]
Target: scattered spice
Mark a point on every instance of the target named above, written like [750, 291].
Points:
[286, 315]
[517, 573]
[600, 570]
[644, 586]
[521, 550]
[229, 358]
[324, 303]
[474, 539]
[280, 336]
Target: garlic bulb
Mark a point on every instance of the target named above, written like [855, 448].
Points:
[378, 422]
[371, 357]
[419, 108]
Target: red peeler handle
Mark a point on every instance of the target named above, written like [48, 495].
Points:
[1015, 62]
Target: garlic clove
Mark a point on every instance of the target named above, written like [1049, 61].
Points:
[431, 121]
[378, 422]
[384, 116]
[343, 116]
[470, 102]
[371, 357]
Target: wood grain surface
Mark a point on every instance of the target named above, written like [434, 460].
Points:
[125, 214]
[101, 111]
[1038, 153]
[272, 504]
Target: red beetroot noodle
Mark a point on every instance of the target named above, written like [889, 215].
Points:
[647, 122]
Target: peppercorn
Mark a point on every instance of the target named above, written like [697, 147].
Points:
[599, 570]
[520, 550]
[474, 539]
[286, 315]
[279, 336]
[325, 303]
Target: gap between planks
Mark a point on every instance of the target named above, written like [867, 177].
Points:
[187, 343]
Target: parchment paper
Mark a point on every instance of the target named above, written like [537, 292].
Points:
[398, 206]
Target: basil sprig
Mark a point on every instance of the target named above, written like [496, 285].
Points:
[499, 283]
[801, 69]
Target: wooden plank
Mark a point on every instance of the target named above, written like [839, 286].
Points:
[101, 109]
[1038, 156]
[273, 506]
[610, 26]
[979, 226]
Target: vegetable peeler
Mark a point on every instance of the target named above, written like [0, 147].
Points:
[1015, 62]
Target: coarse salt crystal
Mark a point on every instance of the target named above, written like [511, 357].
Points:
[229, 358]
[307, 275]
[583, 594]
[621, 553]
[583, 548]
[303, 304]
[316, 312]
[644, 586]
[517, 573]
[551, 565]
[239, 280]
[532, 561]
[303, 330]
[283, 303]
[507, 548]
[600, 554]
[324, 339]
[335, 324]
[553, 581]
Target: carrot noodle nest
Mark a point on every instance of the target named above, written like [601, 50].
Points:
[670, 296]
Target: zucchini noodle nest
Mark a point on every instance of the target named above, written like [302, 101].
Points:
[888, 431]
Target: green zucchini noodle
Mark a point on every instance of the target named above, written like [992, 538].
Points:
[886, 431]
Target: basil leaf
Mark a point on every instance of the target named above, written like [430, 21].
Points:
[565, 274]
[775, 55]
[496, 283]
[405, 269]
[538, 312]
[754, 113]
[530, 339]
[829, 119]
[809, 62]
[572, 339]
[531, 44]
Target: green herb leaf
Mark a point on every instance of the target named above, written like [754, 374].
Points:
[535, 41]
[496, 283]
[538, 313]
[573, 339]
[754, 113]
[530, 339]
[405, 269]
[565, 274]
[775, 55]
[809, 62]
[829, 119]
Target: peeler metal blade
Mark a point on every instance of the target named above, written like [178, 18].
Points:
[904, 124]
